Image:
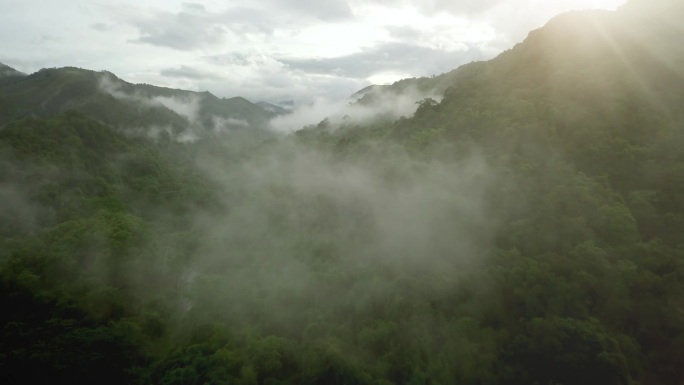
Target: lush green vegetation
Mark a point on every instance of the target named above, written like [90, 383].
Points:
[133, 107]
[527, 229]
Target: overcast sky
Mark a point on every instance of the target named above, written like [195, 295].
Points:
[268, 49]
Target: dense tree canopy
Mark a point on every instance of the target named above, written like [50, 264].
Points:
[526, 229]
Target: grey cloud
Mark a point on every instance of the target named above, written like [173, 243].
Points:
[43, 39]
[194, 26]
[305, 79]
[194, 7]
[191, 28]
[404, 32]
[230, 58]
[183, 31]
[403, 57]
[187, 72]
[266, 16]
[459, 7]
[324, 10]
[102, 27]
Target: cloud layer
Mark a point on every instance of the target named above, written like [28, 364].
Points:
[273, 50]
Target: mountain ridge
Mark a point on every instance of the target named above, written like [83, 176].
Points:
[7, 71]
[110, 100]
[576, 28]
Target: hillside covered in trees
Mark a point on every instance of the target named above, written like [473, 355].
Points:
[135, 108]
[525, 229]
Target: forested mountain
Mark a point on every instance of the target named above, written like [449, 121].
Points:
[642, 29]
[526, 229]
[7, 71]
[138, 108]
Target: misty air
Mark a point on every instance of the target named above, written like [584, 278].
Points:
[344, 192]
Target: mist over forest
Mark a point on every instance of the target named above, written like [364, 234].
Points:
[513, 221]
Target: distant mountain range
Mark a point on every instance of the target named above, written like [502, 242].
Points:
[106, 98]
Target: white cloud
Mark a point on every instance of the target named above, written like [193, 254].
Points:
[254, 44]
[386, 106]
[187, 106]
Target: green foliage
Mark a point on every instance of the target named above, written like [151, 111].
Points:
[565, 351]
[527, 229]
[137, 108]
